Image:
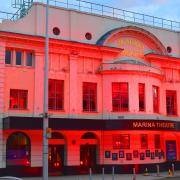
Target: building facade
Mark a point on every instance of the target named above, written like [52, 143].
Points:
[114, 93]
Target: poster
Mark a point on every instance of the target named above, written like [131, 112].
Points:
[170, 150]
[114, 156]
[128, 156]
[121, 154]
[135, 154]
[152, 155]
[147, 153]
[107, 154]
[142, 157]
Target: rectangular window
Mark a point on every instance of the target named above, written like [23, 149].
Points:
[121, 141]
[56, 94]
[171, 102]
[144, 141]
[120, 101]
[141, 97]
[29, 59]
[157, 141]
[89, 97]
[8, 57]
[18, 58]
[18, 99]
[155, 99]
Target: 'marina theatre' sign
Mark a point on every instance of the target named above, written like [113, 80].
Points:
[156, 125]
[132, 47]
[167, 125]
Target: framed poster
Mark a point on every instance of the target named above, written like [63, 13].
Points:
[135, 154]
[171, 150]
[121, 154]
[142, 156]
[114, 156]
[152, 155]
[148, 153]
[128, 156]
[107, 154]
[156, 153]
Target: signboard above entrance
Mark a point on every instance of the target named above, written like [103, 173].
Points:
[132, 47]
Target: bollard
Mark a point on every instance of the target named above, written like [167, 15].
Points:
[102, 173]
[172, 169]
[169, 173]
[90, 174]
[113, 173]
[157, 166]
[134, 174]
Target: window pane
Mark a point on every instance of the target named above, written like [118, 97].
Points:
[8, 57]
[155, 99]
[120, 101]
[29, 59]
[89, 96]
[121, 141]
[157, 141]
[171, 103]
[56, 94]
[18, 58]
[18, 99]
[141, 97]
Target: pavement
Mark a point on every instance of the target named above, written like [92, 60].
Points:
[152, 176]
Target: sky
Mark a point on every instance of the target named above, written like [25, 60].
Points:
[168, 9]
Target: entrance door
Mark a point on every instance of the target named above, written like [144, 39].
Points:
[170, 150]
[88, 155]
[56, 158]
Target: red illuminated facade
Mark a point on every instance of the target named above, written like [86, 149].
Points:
[113, 98]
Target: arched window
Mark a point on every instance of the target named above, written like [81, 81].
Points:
[88, 135]
[18, 150]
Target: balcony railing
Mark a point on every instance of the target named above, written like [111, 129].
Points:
[103, 10]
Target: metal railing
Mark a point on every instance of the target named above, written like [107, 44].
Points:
[6, 15]
[103, 10]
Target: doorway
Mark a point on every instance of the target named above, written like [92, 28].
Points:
[88, 155]
[56, 159]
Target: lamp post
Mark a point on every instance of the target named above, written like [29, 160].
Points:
[45, 114]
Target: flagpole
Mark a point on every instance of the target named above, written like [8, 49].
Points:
[45, 117]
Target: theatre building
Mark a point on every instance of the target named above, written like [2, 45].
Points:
[113, 91]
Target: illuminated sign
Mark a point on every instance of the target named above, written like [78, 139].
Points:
[132, 47]
[144, 124]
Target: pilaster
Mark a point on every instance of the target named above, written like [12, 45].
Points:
[73, 80]
[39, 83]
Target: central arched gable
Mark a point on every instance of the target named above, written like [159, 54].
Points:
[134, 40]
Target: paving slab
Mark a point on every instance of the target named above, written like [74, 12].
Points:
[163, 176]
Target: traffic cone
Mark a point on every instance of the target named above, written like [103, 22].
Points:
[170, 173]
[146, 172]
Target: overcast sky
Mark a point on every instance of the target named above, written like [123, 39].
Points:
[168, 9]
